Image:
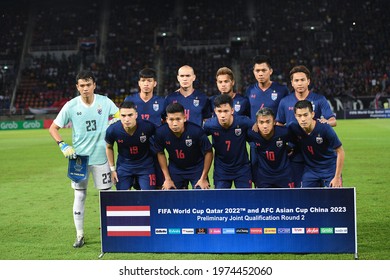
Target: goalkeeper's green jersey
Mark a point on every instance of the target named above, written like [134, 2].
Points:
[89, 124]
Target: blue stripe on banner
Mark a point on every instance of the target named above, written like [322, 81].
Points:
[128, 221]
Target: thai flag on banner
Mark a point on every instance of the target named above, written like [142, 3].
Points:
[128, 220]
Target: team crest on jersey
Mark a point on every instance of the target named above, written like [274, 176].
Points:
[188, 142]
[279, 143]
[274, 96]
[156, 107]
[319, 139]
[196, 102]
[99, 110]
[237, 107]
[238, 131]
[142, 138]
[314, 106]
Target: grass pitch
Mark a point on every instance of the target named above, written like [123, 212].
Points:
[36, 199]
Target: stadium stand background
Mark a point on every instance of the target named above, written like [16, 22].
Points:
[44, 44]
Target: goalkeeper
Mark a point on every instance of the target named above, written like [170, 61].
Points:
[89, 114]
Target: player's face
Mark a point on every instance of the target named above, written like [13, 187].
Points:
[224, 114]
[128, 117]
[300, 82]
[225, 84]
[176, 122]
[265, 125]
[262, 73]
[186, 77]
[147, 85]
[86, 88]
[304, 118]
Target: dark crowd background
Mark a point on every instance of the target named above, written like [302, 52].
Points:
[43, 44]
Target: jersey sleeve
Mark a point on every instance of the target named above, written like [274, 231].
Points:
[333, 139]
[206, 112]
[247, 108]
[281, 114]
[207, 126]
[113, 108]
[63, 118]
[109, 135]
[326, 111]
[158, 142]
[205, 143]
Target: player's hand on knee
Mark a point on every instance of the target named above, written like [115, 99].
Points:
[202, 184]
[168, 184]
[67, 150]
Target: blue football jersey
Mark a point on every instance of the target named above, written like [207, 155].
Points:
[185, 151]
[196, 105]
[229, 144]
[152, 110]
[272, 154]
[269, 98]
[285, 113]
[134, 151]
[318, 147]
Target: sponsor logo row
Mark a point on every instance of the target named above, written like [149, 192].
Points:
[311, 230]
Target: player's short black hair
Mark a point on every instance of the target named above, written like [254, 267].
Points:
[265, 111]
[300, 69]
[147, 73]
[302, 104]
[85, 75]
[258, 59]
[128, 105]
[223, 99]
[174, 108]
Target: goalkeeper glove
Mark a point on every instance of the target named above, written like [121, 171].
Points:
[67, 150]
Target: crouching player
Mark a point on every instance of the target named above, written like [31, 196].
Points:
[189, 150]
[135, 159]
[228, 132]
[271, 149]
[321, 148]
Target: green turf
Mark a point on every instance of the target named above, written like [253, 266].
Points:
[36, 199]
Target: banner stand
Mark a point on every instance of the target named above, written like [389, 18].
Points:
[316, 220]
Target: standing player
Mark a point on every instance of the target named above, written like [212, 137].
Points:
[189, 150]
[322, 150]
[196, 104]
[225, 83]
[264, 93]
[228, 131]
[89, 114]
[271, 144]
[149, 106]
[135, 158]
[300, 81]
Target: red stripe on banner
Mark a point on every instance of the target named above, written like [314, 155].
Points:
[128, 233]
[128, 208]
